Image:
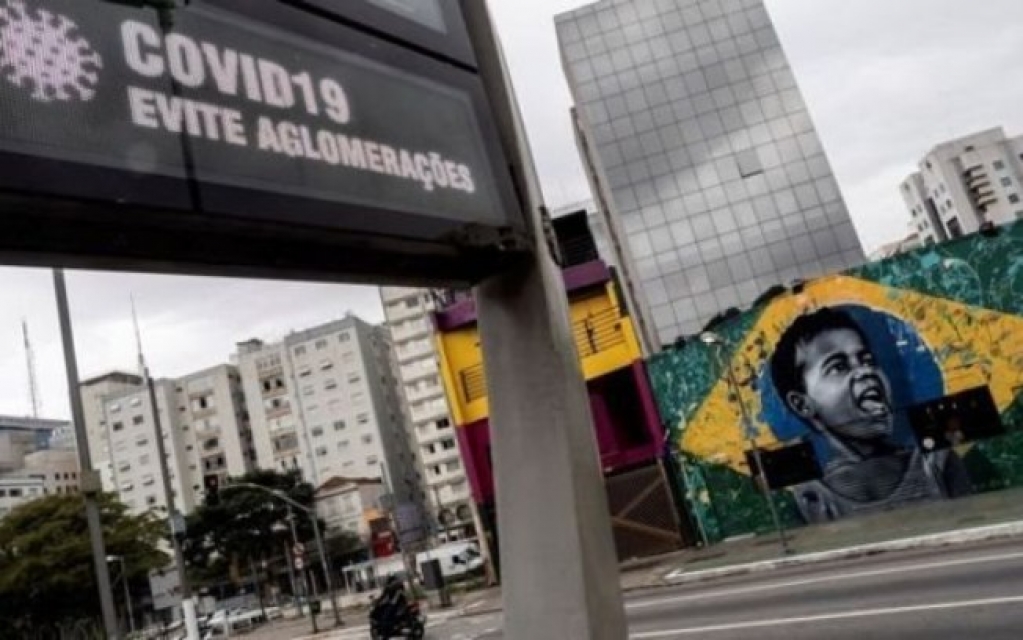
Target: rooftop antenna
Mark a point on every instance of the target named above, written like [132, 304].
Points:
[138, 339]
[30, 361]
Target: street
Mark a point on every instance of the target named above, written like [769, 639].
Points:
[972, 592]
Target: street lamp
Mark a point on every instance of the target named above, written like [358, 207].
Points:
[316, 532]
[716, 343]
[127, 591]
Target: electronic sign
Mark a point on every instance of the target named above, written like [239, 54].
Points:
[216, 115]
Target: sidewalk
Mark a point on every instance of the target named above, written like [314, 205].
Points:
[984, 517]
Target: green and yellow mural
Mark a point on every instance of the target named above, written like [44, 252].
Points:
[838, 362]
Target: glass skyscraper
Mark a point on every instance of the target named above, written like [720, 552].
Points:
[703, 157]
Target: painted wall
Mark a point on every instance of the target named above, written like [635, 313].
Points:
[838, 364]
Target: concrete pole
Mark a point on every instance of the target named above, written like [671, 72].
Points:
[174, 518]
[560, 572]
[91, 484]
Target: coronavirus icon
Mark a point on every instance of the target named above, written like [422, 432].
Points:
[45, 54]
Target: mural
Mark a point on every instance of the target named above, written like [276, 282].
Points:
[838, 362]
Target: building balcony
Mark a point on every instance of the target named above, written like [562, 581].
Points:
[440, 456]
[425, 392]
[411, 330]
[986, 199]
[409, 353]
[429, 432]
[433, 410]
[424, 368]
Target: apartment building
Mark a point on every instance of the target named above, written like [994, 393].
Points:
[94, 391]
[205, 431]
[408, 314]
[323, 401]
[963, 184]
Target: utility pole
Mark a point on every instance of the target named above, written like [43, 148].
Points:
[30, 362]
[176, 523]
[546, 461]
[91, 485]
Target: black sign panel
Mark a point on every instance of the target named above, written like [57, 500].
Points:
[956, 419]
[247, 110]
[787, 466]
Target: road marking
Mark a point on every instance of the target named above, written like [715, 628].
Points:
[844, 615]
[828, 578]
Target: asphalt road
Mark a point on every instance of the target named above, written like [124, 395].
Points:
[960, 593]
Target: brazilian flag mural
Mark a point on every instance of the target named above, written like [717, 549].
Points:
[838, 362]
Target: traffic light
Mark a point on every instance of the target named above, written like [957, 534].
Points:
[212, 486]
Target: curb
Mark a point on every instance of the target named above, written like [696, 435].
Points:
[962, 536]
[680, 576]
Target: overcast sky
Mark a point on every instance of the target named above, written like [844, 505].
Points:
[885, 80]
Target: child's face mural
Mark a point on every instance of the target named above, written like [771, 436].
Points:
[844, 390]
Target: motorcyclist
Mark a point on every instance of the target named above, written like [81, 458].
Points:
[391, 607]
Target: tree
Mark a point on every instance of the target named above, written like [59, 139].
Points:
[244, 525]
[46, 564]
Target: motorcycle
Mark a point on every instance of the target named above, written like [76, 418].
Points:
[412, 625]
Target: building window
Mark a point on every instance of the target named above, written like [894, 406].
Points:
[342, 445]
[1014, 198]
[998, 165]
[339, 425]
[307, 390]
[115, 408]
[410, 303]
[948, 205]
[343, 337]
[353, 378]
[367, 439]
[447, 445]
[371, 461]
[321, 451]
[326, 364]
[330, 384]
[358, 397]
[118, 426]
[321, 344]
[317, 432]
[304, 371]
[136, 420]
[1019, 215]
[444, 423]
[362, 418]
[954, 228]
[749, 164]
[300, 351]
[136, 402]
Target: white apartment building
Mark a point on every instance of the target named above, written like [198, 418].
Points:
[204, 426]
[58, 469]
[407, 312]
[94, 391]
[17, 489]
[45, 472]
[965, 183]
[133, 450]
[323, 401]
[348, 504]
[213, 403]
